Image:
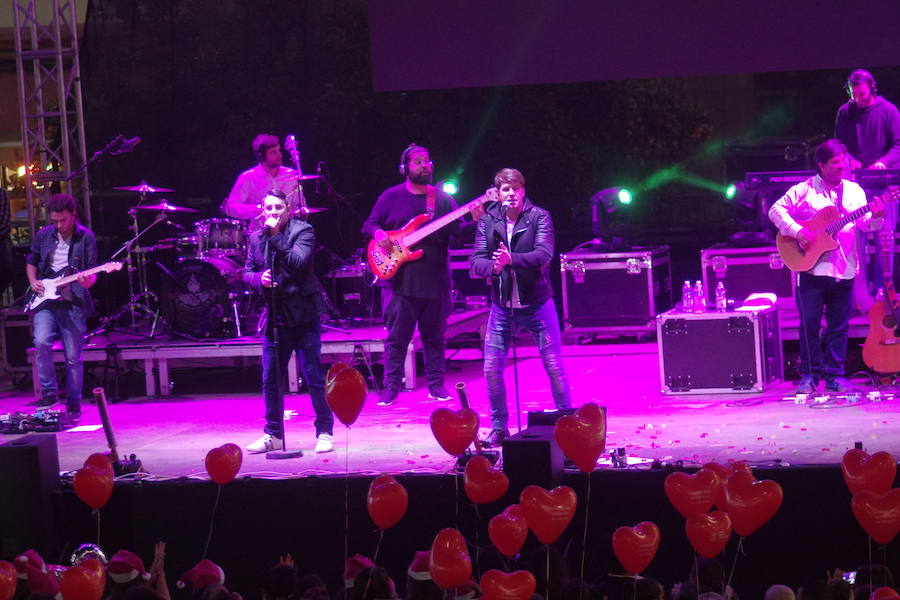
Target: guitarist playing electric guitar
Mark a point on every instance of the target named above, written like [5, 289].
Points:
[826, 285]
[415, 282]
[64, 243]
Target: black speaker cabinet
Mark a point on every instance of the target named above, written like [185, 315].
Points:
[532, 456]
[29, 470]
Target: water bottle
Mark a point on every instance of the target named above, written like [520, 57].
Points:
[721, 297]
[687, 297]
[699, 297]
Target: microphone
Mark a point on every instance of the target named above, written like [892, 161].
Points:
[175, 225]
[290, 144]
[126, 146]
[504, 206]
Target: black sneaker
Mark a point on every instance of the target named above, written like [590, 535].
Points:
[73, 414]
[439, 392]
[807, 385]
[840, 385]
[47, 400]
[495, 438]
[388, 397]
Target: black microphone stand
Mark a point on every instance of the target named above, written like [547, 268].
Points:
[513, 330]
[272, 331]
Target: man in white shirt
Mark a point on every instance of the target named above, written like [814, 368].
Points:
[245, 200]
[827, 286]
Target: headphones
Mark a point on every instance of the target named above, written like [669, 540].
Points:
[860, 76]
[403, 169]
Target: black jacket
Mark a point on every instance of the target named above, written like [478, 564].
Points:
[531, 248]
[296, 298]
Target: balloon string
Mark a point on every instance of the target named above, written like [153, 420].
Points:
[374, 560]
[97, 514]
[346, 496]
[547, 595]
[884, 562]
[587, 514]
[871, 571]
[456, 496]
[477, 541]
[737, 553]
[212, 520]
[697, 572]
[634, 587]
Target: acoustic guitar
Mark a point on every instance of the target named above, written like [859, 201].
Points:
[881, 350]
[823, 226]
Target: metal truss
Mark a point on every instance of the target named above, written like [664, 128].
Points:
[50, 106]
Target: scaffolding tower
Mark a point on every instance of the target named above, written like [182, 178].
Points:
[50, 107]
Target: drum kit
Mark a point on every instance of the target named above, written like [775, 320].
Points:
[201, 290]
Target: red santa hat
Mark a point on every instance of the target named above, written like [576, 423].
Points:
[41, 582]
[29, 558]
[204, 573]
[126, 566]
[418, 568]
[353, 566]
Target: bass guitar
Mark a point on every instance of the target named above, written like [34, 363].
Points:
[385, 265]
[881, 350]
[823, 226]
[34, 300]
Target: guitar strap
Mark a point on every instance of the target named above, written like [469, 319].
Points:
[430, 199]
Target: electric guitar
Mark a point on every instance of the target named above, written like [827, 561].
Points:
[823, 226]
[881, 351]
[385, 265]
[34, 300]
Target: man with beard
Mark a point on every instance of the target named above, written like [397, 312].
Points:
[419, 294]
[245, 200]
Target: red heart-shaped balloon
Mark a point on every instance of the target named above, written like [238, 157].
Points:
[346, 393]
[8, 580]
[224, 462]
[387, 501]
[100, 461]
[497, 585]
[723, 473]
[636, 546]
[548, 513]
[509, 530]
[692, 494]
[93, 486]
[878, 513]
[751, 503]
[708, 533]
[454, 430]
[483, 483]
[81, 583]
[94, 566]
[875, 473]
[449, 564]
[582, 436]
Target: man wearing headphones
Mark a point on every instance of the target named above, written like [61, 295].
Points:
[419, 294]
[245, 200]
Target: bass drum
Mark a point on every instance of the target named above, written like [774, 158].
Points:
[207, 298]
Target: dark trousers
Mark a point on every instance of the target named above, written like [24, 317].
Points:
[7, 268]
[306, 341]
[823, 354]
[401, 315]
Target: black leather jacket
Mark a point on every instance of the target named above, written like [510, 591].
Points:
[531, 248]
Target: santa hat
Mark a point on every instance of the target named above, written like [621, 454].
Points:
[41, 582]
[204, 573]
[29, 558]
[126, 566]
[418, 568]
[465, 591]
[885, 593]
[353, 566]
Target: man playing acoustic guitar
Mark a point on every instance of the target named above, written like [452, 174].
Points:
[828, 283]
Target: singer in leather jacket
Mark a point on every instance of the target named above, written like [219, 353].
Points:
[514, 247]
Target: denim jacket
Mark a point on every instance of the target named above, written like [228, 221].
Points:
[82, 255]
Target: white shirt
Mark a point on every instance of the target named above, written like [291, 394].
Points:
[803, 201]
[245, 199]
[514, 293]
[61, 254]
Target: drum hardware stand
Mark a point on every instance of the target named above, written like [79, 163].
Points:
[290, 144]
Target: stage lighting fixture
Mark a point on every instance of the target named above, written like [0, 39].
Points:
[612, 198]
[449, 186]
[624, 196]
[730, 191]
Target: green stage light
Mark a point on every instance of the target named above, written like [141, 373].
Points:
[625, 196]
[450, 187]
[730, 192]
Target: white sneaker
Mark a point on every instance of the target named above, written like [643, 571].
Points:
[264, 444]
[324, 444]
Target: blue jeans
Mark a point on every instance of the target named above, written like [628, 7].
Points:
[306, 341]
[401, 314]
[64, 321]
[503, 323]
[823, 355]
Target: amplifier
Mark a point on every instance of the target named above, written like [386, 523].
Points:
[350, 289]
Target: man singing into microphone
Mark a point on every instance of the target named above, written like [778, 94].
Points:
[514, 246]
[252, 185]
[279, 263]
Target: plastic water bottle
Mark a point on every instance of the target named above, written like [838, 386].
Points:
[699, 297]
[721, 297]
[687, 297]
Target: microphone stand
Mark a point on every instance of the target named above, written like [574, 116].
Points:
[513, 331]
[290, 144]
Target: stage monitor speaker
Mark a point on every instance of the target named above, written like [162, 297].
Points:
[532, 456]
[547, 418]
[16, 340]
[29, 468]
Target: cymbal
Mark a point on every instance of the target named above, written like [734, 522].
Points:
[309, 210]
[144, 188]
[295, 178]
[165, 206]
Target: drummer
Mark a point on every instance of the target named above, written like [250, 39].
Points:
[245, 200]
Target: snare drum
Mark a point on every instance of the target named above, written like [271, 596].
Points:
[221, 237]
[186, 246]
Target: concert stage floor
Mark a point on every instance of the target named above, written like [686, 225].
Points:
[212, 406]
